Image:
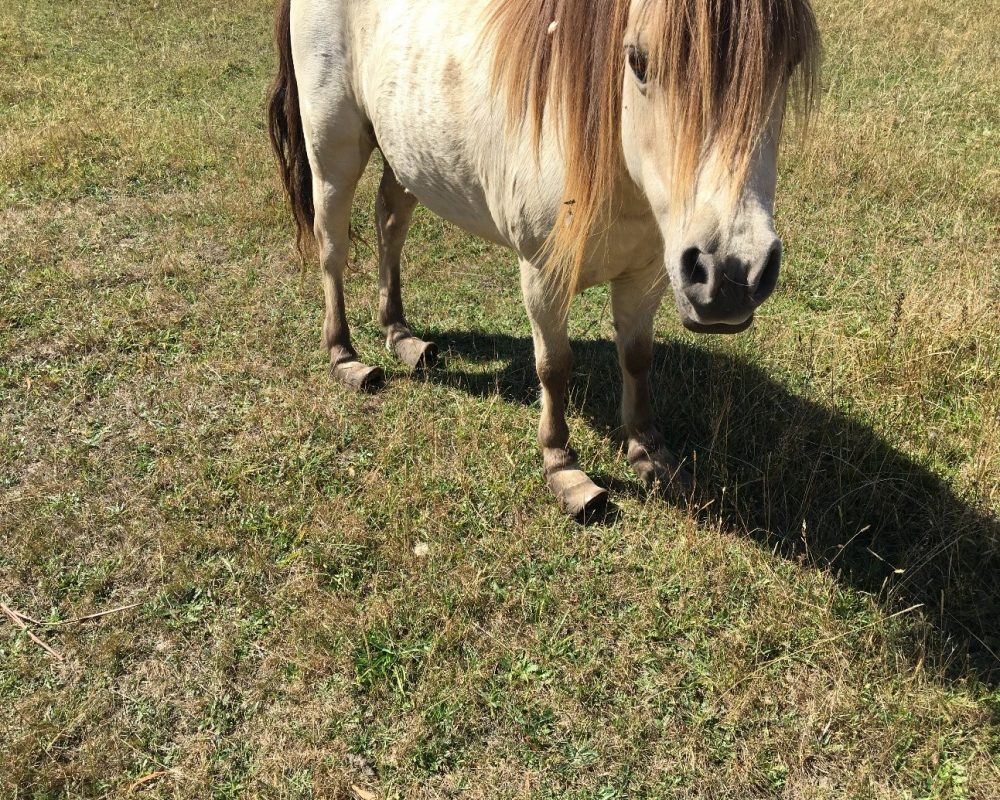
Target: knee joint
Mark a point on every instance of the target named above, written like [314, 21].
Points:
[637, 357]
[553, 372]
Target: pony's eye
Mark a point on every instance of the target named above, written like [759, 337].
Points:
[638, 60]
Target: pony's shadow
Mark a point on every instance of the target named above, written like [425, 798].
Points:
[806, 481]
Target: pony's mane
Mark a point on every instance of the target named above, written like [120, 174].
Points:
[719, 63]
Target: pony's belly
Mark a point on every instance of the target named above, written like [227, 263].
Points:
[451, 192]
[431, 110]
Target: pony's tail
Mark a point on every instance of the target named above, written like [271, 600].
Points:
[285, 126]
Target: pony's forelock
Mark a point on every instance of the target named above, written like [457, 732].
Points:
[721, 65]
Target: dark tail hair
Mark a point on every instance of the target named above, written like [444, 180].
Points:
[285, 126]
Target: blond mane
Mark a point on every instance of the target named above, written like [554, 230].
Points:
[720, 63]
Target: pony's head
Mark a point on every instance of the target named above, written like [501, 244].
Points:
[685, 97]
[702, 110]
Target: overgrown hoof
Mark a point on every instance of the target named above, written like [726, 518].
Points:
[415, 353]
[660, 470]
[578, 495]
[358, 376]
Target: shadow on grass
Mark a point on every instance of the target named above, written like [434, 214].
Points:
[809, 482]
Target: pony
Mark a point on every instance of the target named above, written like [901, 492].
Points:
[630, 142]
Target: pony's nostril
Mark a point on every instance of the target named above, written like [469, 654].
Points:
[692, 270]
[766, 283]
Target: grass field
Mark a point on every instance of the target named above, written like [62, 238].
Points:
[346, 596]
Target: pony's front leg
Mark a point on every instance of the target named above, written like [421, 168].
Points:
[578, 495]
[634, 302]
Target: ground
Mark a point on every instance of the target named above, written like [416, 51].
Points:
[347, 596]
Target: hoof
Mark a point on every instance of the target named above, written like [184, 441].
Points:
[358, 376]
[578, 495]
[660, 469]
[415, 353]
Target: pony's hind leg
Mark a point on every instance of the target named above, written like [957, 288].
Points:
[578, 495]
[394, 209]
[634, 302]
[335, 179]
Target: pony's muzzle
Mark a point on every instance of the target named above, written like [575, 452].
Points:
[718, 292]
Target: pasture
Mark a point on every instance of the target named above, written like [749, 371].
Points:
[336, 595]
